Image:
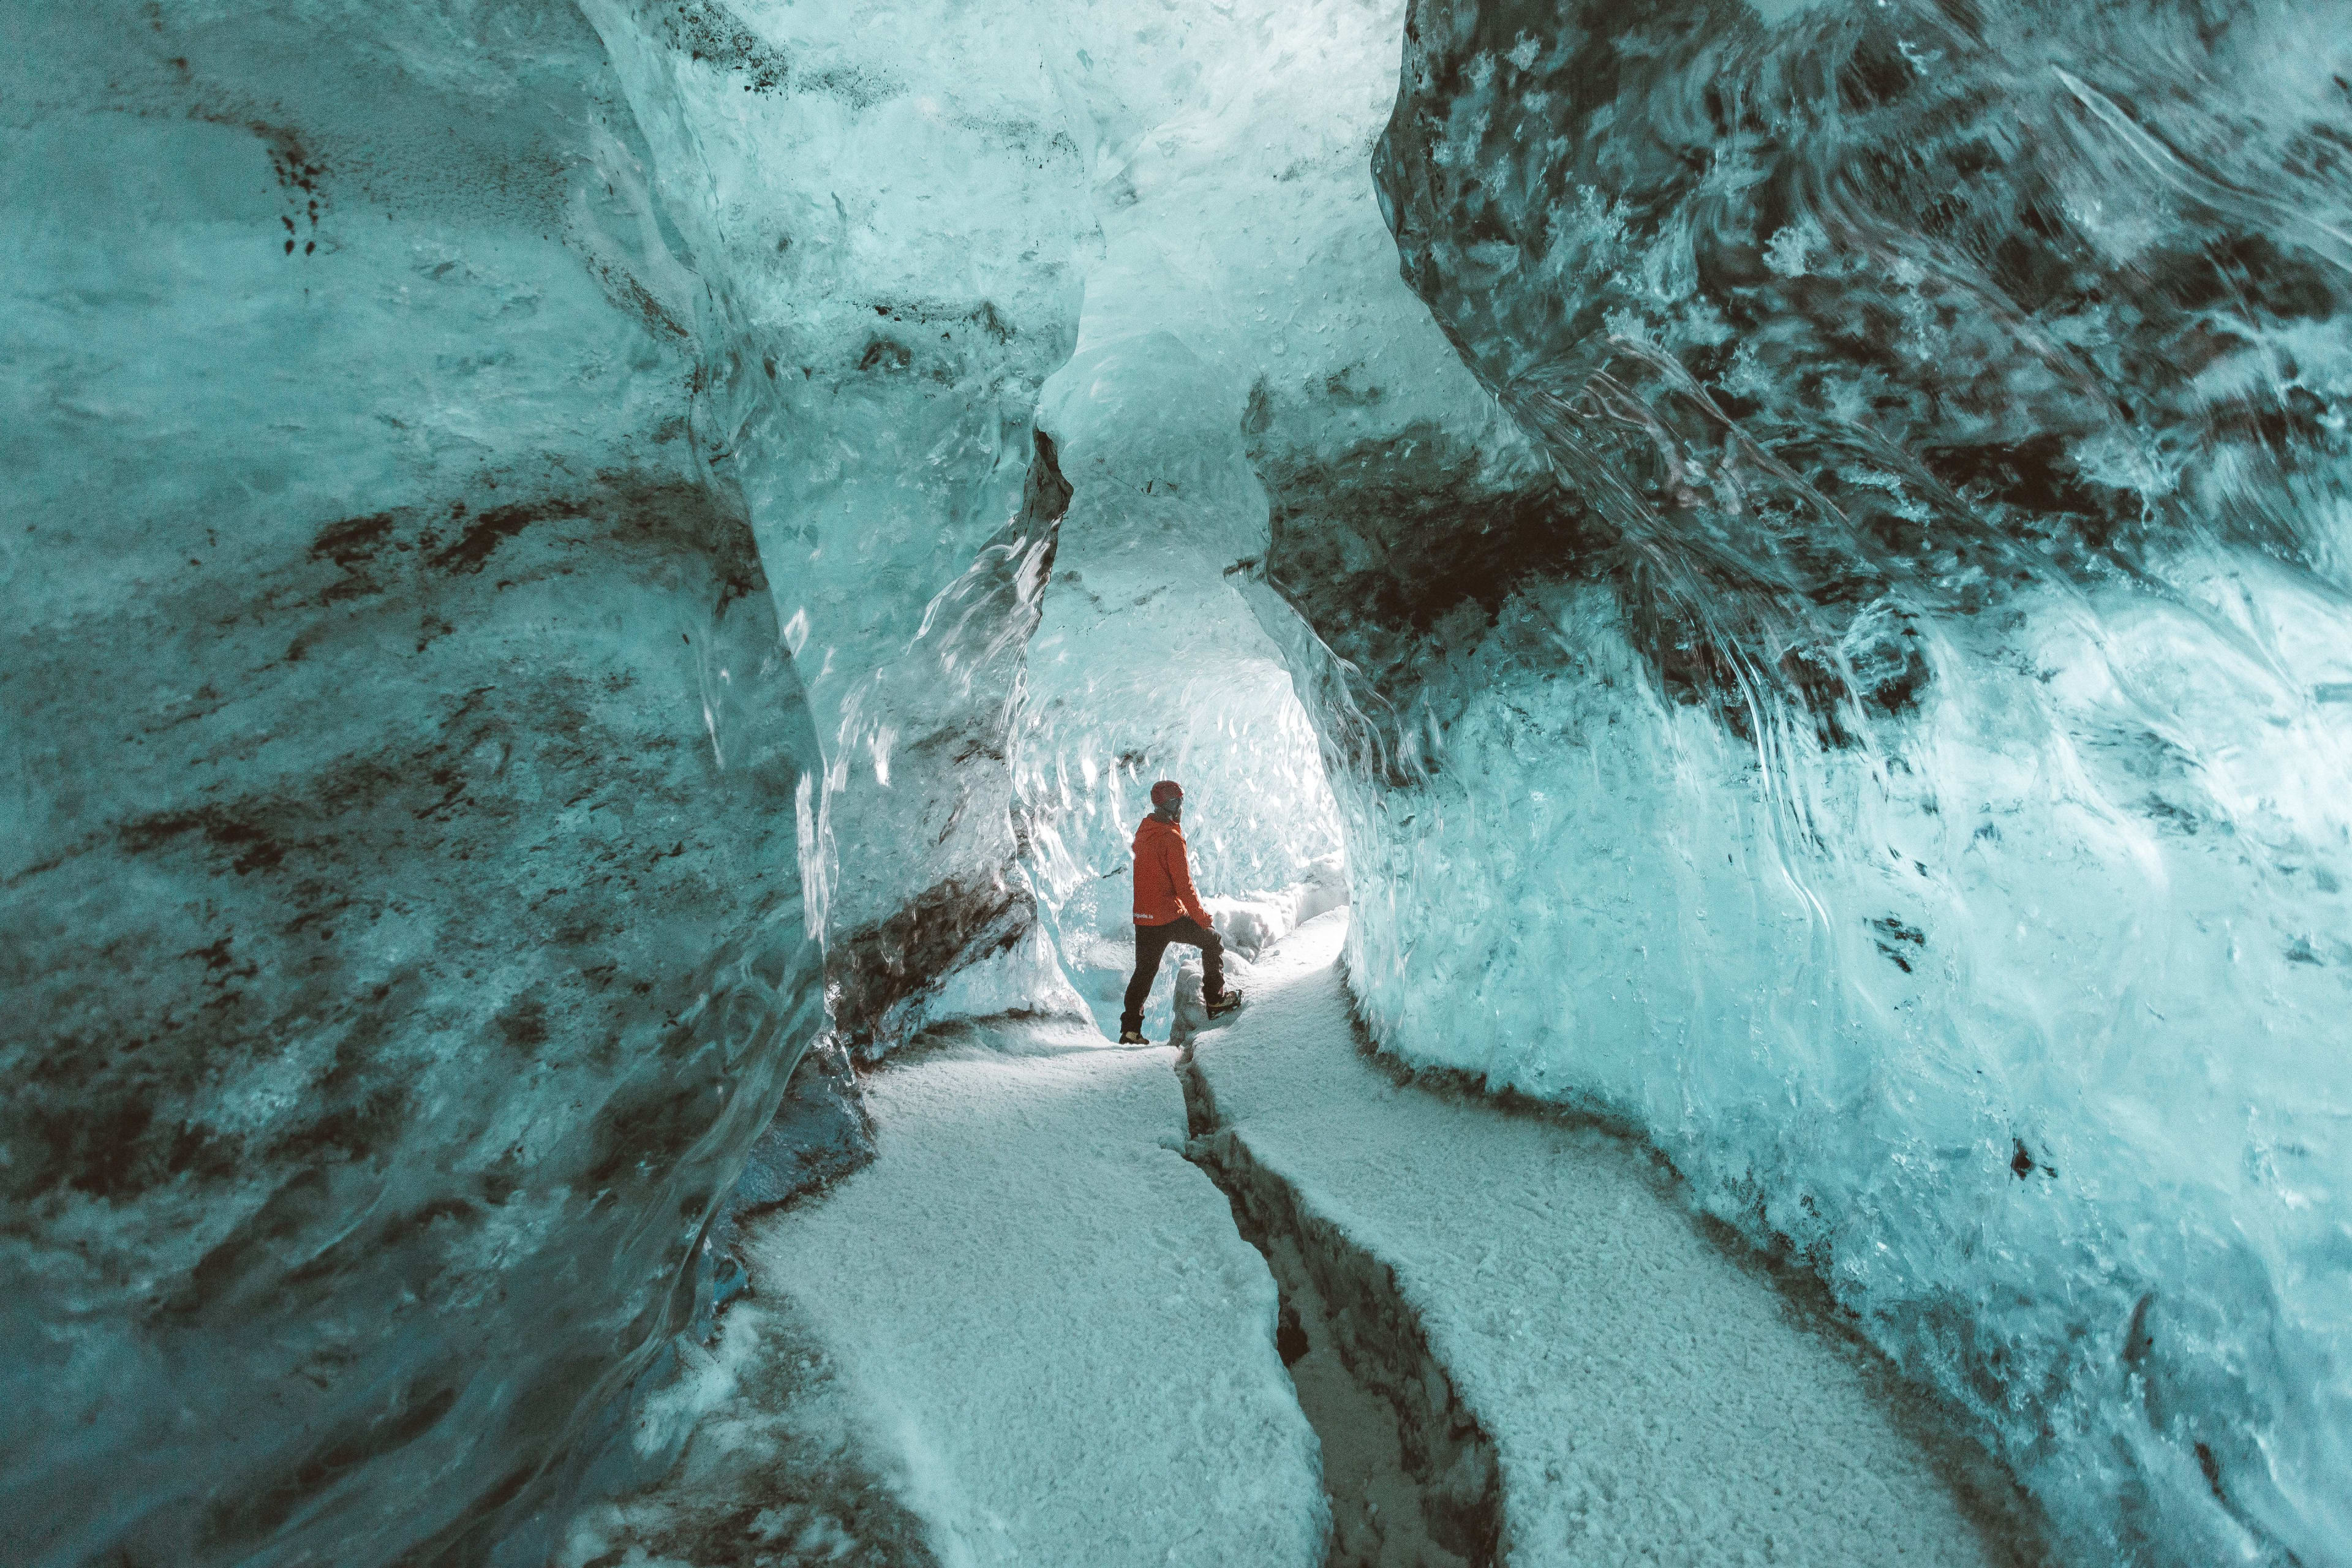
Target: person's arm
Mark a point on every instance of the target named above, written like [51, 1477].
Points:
[1180, 876]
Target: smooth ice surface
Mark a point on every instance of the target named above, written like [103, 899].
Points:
[402, 932]
[1051, 1328]
[888, 218]
[1648, 1397]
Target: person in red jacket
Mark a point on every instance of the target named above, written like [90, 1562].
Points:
[1167, 909]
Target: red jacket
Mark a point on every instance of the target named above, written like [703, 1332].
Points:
[1163, 875]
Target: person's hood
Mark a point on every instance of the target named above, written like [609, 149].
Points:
[1151, 825]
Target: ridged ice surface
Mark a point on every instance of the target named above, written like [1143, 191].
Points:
[1815, 607]
[1899, 759]
[402, 933]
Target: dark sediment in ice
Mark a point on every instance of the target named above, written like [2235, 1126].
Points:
[819, 1134]
[377, 1069]
[1398, 553]
[1847, 315]
[971, 645]
[1919, 378]
[403, 934]
[879, 428]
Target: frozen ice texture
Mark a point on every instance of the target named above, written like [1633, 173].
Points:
[1896, 756]
[403, 937]
[1818, 619]
[888, 220]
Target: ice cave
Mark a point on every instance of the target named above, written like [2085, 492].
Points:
[1751, 601]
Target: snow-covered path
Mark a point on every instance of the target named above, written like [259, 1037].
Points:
[1030, 1333]
[1642, 1396]
[1050, 1318]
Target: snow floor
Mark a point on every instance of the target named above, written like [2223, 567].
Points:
[1031, 1332]
[1064, 1350]
[1647, 1396]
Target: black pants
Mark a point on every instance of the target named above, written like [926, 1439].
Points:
[1151, 943]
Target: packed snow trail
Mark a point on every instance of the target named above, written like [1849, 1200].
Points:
[1030, 1334]
[1604, 1383]
[1062, 1345]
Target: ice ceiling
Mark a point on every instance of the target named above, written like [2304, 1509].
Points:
[557, 556]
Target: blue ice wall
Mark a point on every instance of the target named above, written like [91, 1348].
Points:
[403, 936]
[888, 220]
[1842, 665]
[1897, 757]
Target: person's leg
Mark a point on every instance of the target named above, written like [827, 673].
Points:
[1191, 933]
[1212, 966]
[1150, 942]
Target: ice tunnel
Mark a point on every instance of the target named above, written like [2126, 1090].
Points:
[597, 588]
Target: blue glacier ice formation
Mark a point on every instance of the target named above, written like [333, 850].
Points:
[566, 558]
[1938, 632]
[404, 932]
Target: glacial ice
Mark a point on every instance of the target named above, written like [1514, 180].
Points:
[1945, 689]
[402, 934]
[570, 554]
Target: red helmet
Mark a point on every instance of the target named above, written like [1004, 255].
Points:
[1165, 791]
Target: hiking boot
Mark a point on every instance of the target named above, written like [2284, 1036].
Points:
[1219, 1007]
[1132, 1038]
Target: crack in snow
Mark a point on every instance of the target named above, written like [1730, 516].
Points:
[1411, 1474]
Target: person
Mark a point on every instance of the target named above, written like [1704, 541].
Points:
[1167, 911]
